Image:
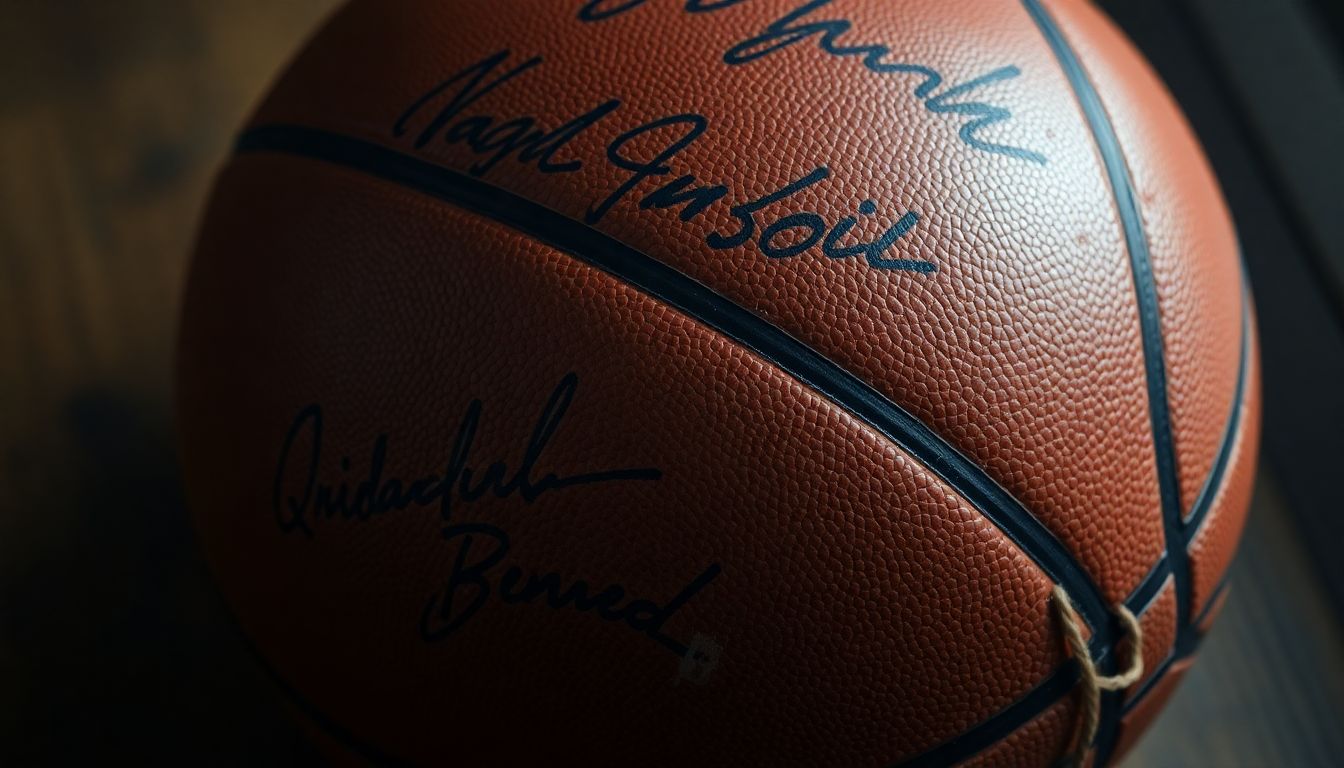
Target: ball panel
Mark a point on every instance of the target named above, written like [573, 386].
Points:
[1192, 242]
[1022, 349]
[990, 295]
[1159, 634]
[1214, 542]
[856, 594]
[1137, 720]
[1038, 742]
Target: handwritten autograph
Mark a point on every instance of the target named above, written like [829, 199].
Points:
[795, 27]
[495, 138]
[482, 547]
[376, 495]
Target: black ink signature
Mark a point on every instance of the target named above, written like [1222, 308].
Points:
[494, 138]
[470, 586]
[481, 547]
[794, 27]
[597, 10]
[460, 482]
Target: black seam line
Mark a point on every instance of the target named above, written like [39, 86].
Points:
[335, 730]
[1187, 637]
[1044, 695]
[1108, 144]
[1145, 286]
[1008, 720]
[1141, 599]
[1185, 647]
[1142, 596]
[1218, 591]
[718, 313]
[791, 356]
[989, 732]
[1213, 483]
[1148, 685]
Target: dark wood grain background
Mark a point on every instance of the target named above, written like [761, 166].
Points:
[113, 645]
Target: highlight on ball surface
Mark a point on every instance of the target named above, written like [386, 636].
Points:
[730, 382]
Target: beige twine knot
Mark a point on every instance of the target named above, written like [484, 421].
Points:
[1091, 681]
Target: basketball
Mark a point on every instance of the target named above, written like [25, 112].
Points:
[719, 382]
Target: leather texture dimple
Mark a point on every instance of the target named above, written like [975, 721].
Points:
[1023, 350]
[865, 612]
[1214, 542]
[1137, 720]
[1159, 635]
[1191, 241]
[1038, 742]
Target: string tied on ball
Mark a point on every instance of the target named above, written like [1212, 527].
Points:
[1091, 681]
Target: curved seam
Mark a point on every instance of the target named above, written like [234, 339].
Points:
[1162, 668]
[1029, 706]
[701, 303]
[1047, 693]
[1231, 434]
[1143, 599]
[1145, 288]
[697, 301]
[1143, 595]
[1204, 610]
[334, 729]
[1183, 645]
[1187, 637]
[1183, 649]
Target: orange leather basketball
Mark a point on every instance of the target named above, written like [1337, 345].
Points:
[718, 382]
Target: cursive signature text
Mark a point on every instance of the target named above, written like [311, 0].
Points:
[800, 25]
[480, 567]
[644, 157]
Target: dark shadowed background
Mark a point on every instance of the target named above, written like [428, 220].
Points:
[114, 115]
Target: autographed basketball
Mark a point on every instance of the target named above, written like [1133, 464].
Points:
[719, 382]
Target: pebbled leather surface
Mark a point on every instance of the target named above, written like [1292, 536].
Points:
[1159, 633]
[1214, 543]
[842, 602]
[1133, 724]
[858, 594]
[1039, 742]
[1191, 240]
[1022, 350]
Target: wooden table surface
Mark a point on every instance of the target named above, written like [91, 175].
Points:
[113, 117]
